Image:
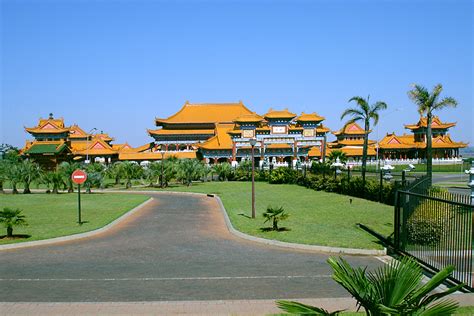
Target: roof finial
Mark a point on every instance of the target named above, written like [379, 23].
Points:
[240, 102]
[51, 116]
[187, 102]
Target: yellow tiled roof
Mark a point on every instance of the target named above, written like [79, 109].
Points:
[435, 124]
[157, 155]
[76, 132]
[274, 114]
[163, 131]
[310, 117]
[221, 140]
[392, 141]
[249, 118]
[350, 129]
[322, 129]
[279, 146]
[97, 146]
[206, 113]
[49, 126]
[352, 142]
[357, 151]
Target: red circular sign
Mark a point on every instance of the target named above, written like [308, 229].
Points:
[79, 176]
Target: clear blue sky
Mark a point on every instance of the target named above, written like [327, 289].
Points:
[116, 65]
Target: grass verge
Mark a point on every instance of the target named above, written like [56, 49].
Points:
[54, 215]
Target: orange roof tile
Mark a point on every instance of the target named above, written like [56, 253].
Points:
[274, 114]
[357, 151]
[206, 113]
[249, 118]
[350, 129]
[157, 155]
[435, 124]
[352, 142]
[311, 117]
[96, 146]
[221, 140]
[278, 146]
[48, 126]
[163, 131]
[76, 132]
[322, 129]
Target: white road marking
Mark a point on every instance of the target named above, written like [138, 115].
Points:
[179, 279]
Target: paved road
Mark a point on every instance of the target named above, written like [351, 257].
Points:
[176, 248]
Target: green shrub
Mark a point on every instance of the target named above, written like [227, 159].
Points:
[284, 176]
[424, 231]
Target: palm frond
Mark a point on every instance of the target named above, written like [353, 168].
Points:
[443, 307]
[303, 309]
[445, 102]
[356, 114]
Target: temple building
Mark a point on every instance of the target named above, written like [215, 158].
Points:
[350, 140]
[413, 146]
[218, 132]
[54, 143]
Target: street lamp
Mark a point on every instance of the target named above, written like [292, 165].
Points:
[162, 152]
[87, 144]
[253, 142]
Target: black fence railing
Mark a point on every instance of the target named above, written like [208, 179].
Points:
[436, 227]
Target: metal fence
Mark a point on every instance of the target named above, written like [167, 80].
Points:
[436, 227]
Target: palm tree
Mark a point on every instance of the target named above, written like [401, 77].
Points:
[223, 170]
[394, 289]
[4, 165]
[95, 176]
[53, 178]
[337, 154]
[130, 170]
[13, 175]
[114, 171]
[29, 171]
[427, 103]
[67, 168]
[10, 218]
[275, 215]
[364, 113]
[189, 170]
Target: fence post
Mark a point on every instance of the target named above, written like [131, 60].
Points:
[381, 185]
[396, 221]
[403, 178]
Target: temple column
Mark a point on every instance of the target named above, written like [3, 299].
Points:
[234, 151]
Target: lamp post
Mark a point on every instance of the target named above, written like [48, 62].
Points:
[87, 144]
[253, 142]
[470, 172]
[162, 152]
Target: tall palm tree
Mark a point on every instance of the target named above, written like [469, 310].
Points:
[13, 175]
[364, 112]
[337, 154]
[427, 103]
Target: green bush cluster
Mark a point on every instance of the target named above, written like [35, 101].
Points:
[284, 176]
[424, 231]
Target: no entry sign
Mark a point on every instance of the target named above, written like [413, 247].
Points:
[79, 176]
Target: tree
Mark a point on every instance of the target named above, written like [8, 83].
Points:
[4, 165]
[67, 168]
[393, 289]
[337, 154]
[223, 170]
[54, 179]
[189, 170]
[130, 170]
[10, 218]
[13, 175]
[365, 113]
[29, 171]
[275, 215]
[427, 103]
[95, 176]
[114, 171]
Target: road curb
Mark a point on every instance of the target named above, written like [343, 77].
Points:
[76, 236]
[272, 242]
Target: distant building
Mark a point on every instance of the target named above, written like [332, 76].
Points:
[413, 146]
[350, 140]
[54, 143]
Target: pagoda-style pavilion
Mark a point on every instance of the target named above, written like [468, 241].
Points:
[413, 146]
[350, 140]
[54, 143]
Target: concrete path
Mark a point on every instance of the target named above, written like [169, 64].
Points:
[177, 248]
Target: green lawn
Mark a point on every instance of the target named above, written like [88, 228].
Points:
[317, 218]
[53, 215]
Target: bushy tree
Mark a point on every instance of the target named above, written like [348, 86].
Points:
[223, 170]
[54, 179]
[189, 170]
[130, 171]
[95, 176]
[114, 171]
[10, 218]
[13, 174]
[28, 172]
[333, 155]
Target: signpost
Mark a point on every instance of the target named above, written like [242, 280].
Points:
[79, 177]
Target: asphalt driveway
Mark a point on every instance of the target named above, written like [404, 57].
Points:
[175, 248]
